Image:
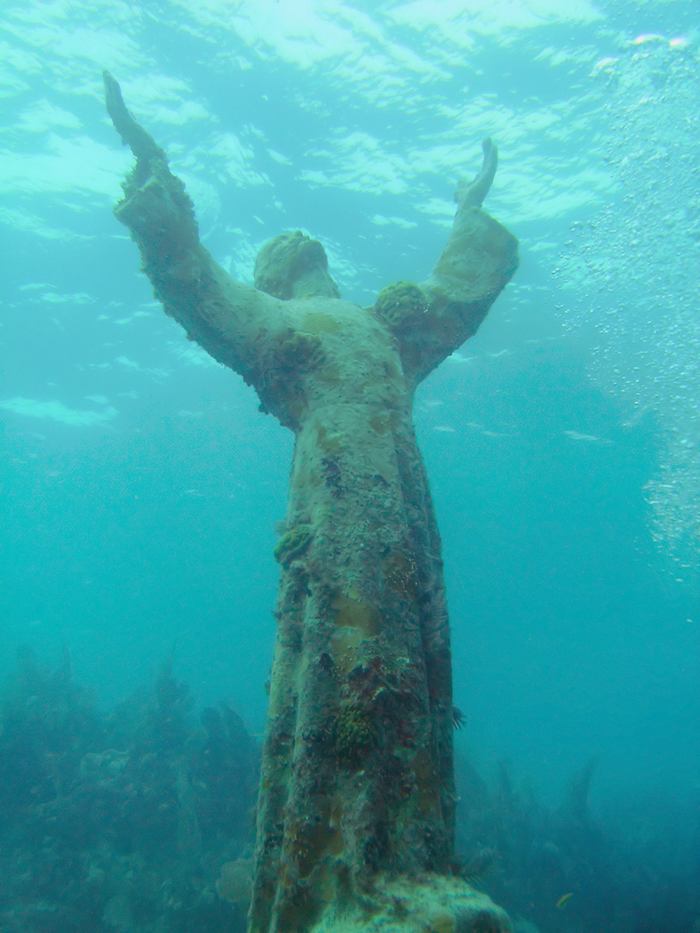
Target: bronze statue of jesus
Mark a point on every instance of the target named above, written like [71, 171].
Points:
[355, 816]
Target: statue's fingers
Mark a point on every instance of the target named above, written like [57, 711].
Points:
[114, 101]
[490, 151]
[136, 138]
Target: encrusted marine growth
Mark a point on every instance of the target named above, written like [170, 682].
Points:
[355, 733]
[398, 303]
[293, 544]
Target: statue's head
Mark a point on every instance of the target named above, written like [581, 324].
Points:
[293, 265]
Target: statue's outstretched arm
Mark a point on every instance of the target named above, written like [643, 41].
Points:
[228, 319]
[433, 319]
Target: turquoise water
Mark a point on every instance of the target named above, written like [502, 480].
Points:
[141, 484]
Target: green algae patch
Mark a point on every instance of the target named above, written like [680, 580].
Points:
[293, 544]
[346, 649]
[426, 789]
[353, 613]
[316, 322]
[329, 376]
[355, 623]
[379, 424]
[330, 442]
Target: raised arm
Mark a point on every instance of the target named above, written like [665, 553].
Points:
[234, 323]
[431, 320]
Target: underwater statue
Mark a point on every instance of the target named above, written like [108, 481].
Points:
[355, 816]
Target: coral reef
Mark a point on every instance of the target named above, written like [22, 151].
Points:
[122, 820]
[561, 869]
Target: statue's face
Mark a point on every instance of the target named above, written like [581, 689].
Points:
[293, 265]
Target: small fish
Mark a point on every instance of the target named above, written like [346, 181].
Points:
[564, 900]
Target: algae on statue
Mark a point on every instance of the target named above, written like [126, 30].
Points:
[355, 815]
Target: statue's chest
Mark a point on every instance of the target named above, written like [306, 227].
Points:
[334, 353]
[355, 358]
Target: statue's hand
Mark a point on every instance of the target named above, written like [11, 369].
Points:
[133, 134]
[472, 194]
[145, 206]
[155, 205]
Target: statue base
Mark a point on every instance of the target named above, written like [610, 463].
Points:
[428, 904]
